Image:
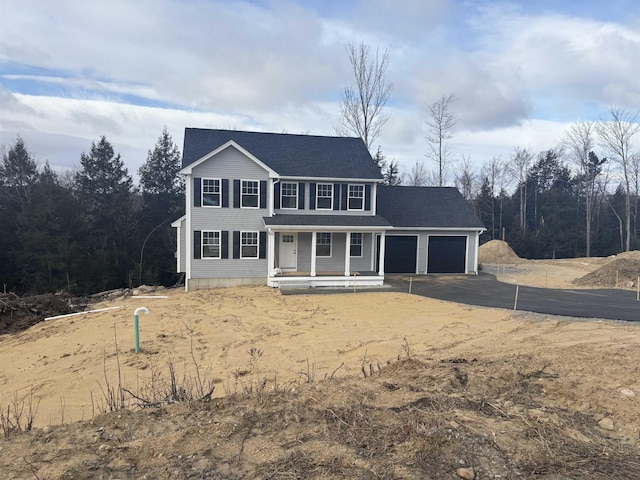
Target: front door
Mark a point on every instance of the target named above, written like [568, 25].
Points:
[288, 252]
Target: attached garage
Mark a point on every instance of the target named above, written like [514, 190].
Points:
[447, 254]
[400, 254]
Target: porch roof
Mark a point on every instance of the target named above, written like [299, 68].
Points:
[324, 222]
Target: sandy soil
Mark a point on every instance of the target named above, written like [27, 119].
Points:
[63, 362]
[547, 273]
[251, 338]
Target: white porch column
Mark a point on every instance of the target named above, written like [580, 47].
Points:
[314, 240]
[477, 251]
[381, 258]
[271, 252]
[347, 254]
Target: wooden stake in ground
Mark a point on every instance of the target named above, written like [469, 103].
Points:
[410, 283]
[515, 303]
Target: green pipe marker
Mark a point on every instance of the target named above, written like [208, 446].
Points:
[136, 325]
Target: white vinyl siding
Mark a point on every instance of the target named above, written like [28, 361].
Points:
[230, 164]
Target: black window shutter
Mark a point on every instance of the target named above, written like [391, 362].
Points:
[367, 197]
[276, 195]
[263, 245]
[336, 196]
[197, 246]
[236, 194]
[263, 194]
[301, 196]
[225, 192]
[345, 190]
[236, 244]
[197, 192]
[312, 196]
[224, 244]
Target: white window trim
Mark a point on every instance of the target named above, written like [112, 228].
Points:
[242, 257]
[282, 196]
[349, 197]
[330, 245]
[219, 257]
[202, 193]
[317, 196]
[361, 245]
[242, 194]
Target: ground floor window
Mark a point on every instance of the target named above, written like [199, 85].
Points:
[211, 244]
[356, 245]
[323, 245]
[249, 245]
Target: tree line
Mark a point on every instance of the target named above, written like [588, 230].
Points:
[579, 198]
[90, 230]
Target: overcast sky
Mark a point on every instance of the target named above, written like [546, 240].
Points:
[73, 70]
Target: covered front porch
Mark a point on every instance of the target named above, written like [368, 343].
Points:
[325, 252]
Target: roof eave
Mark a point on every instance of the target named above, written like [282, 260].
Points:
[331, 179]
[332, 228]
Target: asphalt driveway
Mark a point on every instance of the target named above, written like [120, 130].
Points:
[484, 290]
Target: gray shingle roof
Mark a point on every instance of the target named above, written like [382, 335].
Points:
[436, 207]
[366, 221]
[287, 154]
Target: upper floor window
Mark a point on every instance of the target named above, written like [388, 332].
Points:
[289, 195]
[211, 192]
[356, 245]
[356, 197]
[249, 245]
[250, 194]
[210, 244]
[323, 244]
[324, 196]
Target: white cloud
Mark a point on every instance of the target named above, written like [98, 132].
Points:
[566, 58]
[280, 66]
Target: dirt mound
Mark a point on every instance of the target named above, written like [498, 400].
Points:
[497, 252]
[19, 313]
[411, 419]
[623, 272]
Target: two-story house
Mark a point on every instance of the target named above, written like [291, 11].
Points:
[304, 210]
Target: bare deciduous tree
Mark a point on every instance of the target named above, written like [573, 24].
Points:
[441, 122]
[361, 109]
[519, 168]
[465, 178]
[616, 136]
[417, 176]
[578, 143]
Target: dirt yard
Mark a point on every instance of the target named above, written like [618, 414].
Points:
[365, 385]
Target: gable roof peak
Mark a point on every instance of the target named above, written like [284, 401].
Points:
[289, 155]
